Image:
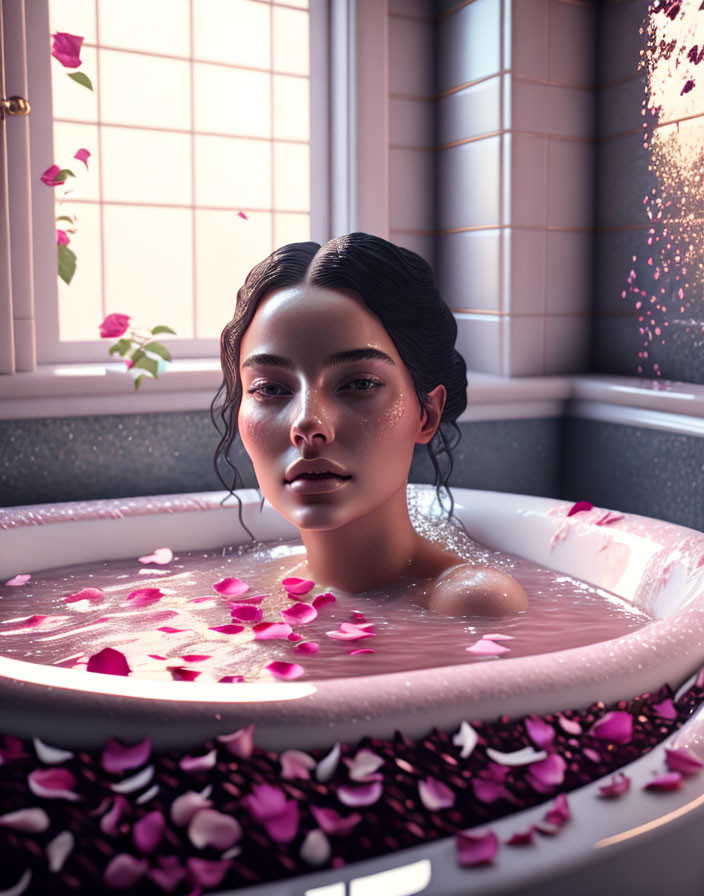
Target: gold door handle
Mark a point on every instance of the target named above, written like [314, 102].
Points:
[14, 105]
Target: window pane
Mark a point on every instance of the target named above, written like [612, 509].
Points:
[73, 17]
[157, 26]
[233, 173]
[68, 138]
[291, 177]
[291, 52]
[232, 31]
[291, 229]
[145, 90]
[146, 166]
[148, 265]
[232, 101]
[80, 302]
[69, 100]
[291, 108]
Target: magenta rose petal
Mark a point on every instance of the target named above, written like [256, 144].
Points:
[148, 832]
[285, 671]
[294, 585]
[683, 762]
[435, 795]
[170, 630]
[117, 757]
[209, 827]
[109, 662]
[361, 650]
[619, 785]
[124, 871]
[239, 743]
[231, 679]
[66, 48]
[243, 216]
[299, 614]
[169, 875]
[198, 763]
[321, 599]
[296, 764]
[616, 727]
[162, 556]
[350, 632]
[246, 613]
[484, 647]
[207, 872]
[522, 838]
[666, 709]
[334, 823]
[579, 507]
[308, 648]
[267, 631]
[231, 587]
[17, 581]
[92, 595]
[540, 732]
[265, 802]
[109, 823]
[230, 629]
[360, 794]
[178, 673]
[294, 636]
[28, 821]
[282, 828]
[184, 807]
[62, 238]
[560, 811]
[476, 849]
[114, 325]
[195, 657]
[49, 176]
[548, 773]
[144, 597]
[488, 791]
[592, 755]
[570, 726]
[82, 155]
[53, 784]
[669, 781]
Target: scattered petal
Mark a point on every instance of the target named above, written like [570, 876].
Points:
[285, 671]
[178, 673]
[169, 875]
[161, 556]
[321, 599]
[239, 743]
[610, 517]
[666, 709]
[435, 795]
[20, 886]
[170, 630]
[521, 838]
[299, 614]
[327, 765]
[230, 629]
[109, 823]
[540, 732]
[135, 782]
[579, 507]
[297, 586]
[49, 176]
[547, 774]
[307, 648]
[348, 631]
[59, 849]
[195, 657]
[466, 738]
[683, 762]
[148, 832]
[243, 216]
[207, 872]
[28, 821]
[669, 781]
[50, 755]
[199, 763]
[334, 823]
[53, 784]
[296, 764]
[361, 650]
[364, 765]
[316, 849]
[231, 587]
[16, 581]
[484, 647]
[92, 595]
[476, 849]
[267, 631]
[144, 597]
[524, 756]
[230, 679]
[489, 791]
[616, 727]
[560, 811]
[184, 807]
[620, 784]
[124, 871]
[359, 794]
[116, 757]
[571, 726]
[82, 155]
[211, 828]
[246, 612]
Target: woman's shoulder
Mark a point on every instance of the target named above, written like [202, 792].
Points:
[468, 590]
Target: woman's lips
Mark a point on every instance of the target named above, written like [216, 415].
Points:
[315, 485]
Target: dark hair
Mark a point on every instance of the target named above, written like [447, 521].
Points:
[398, 286]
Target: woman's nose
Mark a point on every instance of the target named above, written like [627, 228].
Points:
[311, 421]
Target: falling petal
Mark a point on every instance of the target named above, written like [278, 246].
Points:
[683, 762]
[435, 795]
[199, 763]
[116, 757]
[524, 756]
[484, 647]
[334, 823]
[321, 599]
[211, 828]
[579, 507]
[282, 828]
[669, 781]
[28, 821]
[476, 849]
[298, 586]
[239, 743]
[16, 581]
[82, 155]
[231, 587]
[230, 629]
[59, 849]
[267, 631]
[560, 811]
[53, 784]
[184, 807]
[466, 738]
[285, 671]
[49, 176]
[207, 872]
[307, 647]
[161, 556]
[571, 726]
[539, 731]
[67, 49]
[316, 849]
[114, 325]
[327, 765]
[299, 614]
[620, 784]
[246, 613]
[616, 727]
[243, 216]
[50, 755]
[148, 832]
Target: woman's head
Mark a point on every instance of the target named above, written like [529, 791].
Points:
[308, 301]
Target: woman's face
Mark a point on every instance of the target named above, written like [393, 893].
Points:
[324, 391]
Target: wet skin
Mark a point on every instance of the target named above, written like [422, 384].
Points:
[324, 391]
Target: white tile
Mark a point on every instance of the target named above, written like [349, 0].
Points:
[547, 109]
[146, 166]
[468, 269]
[571, 182]
[468, 184]
[569, 271]
[530, 39]
[410, 190]
[410, 57]
[411, 122]
[523, 345]
[571, 42]
[526, 293]
[567, 344]
[529, 181]
[471, 42]
[470, 112]
[479, 342]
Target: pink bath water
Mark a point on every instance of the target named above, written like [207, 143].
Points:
[175, 633]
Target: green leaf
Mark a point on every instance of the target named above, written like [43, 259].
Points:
[144, 363]
[67, 263]
[68, 218]
[161, 329]
[156, 348]
[63, 174]
[138, 381]
[81, 79]
[121, 347]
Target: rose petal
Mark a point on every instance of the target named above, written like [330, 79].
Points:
[144, 597]
[669, 781]
[66, 48]
[231, 587]
[59, 849]
[307, 647]
[295, 637]
[571, 726]
[28, 821]
[184, 807]
[243, 216]
[285, 671]
[16, 581]
[299, 614]
[246, 612]
[50, 755]
[524, 756]
[360, 794]
[239, 743]
[211, 828]
[666, 709]
[124, 871]
[350, 632]
[134, 782]
[316, 849]
[178, 673]
[620, 784]
[114, 325]
[484, 647]
[92, 595]
[334, 823]
[169, 875]
[548, 773]
[62, 238]
[539, 732]
[265, 802]
[230, 679]
[117, 757]
[360, 650]
[20, 886]
[49, 176]
[170, 630]
[321, 599]
[476, 849]
[579, 507]
[82, 155]
[466, 738]
[616, 727]
[521, 838]
[148, 832]
[488, 791]
[282, 828]
[195, 657]
[207, 872]
[296, 764]
[683, 762]
[327, 765]
[560, 811]
[199, 763]
[230, 629]
[109, 823]
[363, 765]
[267, 631]
[294, 585]
[435, 795]
[53, 784]
[160, 556]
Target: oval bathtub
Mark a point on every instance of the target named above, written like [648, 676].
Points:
[657, 566]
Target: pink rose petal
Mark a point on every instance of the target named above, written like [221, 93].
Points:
[579, 507]
[350, 632]
[49, 176]
[620, 784]
[666, 709]
[16, 581]
[540, 732]
[230, 679]
[361, 650]
[265, 801]
[243, 216]
[560, 811]
[92, 595]
[488, 791]
[308, 648]
[148, 832]
[169, 875]
[282, 828]
[327, 598]
[521, 838]
[144, 597]
[161, 556]
[199, 763]
[498, 637]
[109, 823]
[109, 662]
[484, 647]
[476, 849]
[360, 795]
[285, 671]
[267, 631]
[195, 657]
[211, 828]
[298, 586]
[170, 630]
[246, 613]
[231, 587]
[250, 598]
[669, 781]
[53, 784]
[435, 795]
[207, 872]
[82, 155]
[202, 600]
[239, 743]
[28, 821]
[547, 774]
[683, 762]
[62, 238]
[571, 726]
[124, 871]
[334, 823]
[117, 757]
[299, 614]
[184, 807]
[616, 727]
[114, 325]
[67, 49]
[178, 673]
[296, 764]
[230, 629]
[363, 766]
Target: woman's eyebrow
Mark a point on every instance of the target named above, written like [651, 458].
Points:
[346, 357]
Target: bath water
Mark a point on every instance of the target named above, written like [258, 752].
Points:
[174, 638]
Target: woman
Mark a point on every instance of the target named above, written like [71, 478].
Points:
[338, 361]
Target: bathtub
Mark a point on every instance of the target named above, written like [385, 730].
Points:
[657, 566]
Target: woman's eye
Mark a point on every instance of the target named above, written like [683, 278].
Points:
[364, 384]
[267, 390]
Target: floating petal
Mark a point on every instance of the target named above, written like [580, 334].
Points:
[666, 709]
[246, 613]
[229, 629]
[124, 871]
[571, 726]
[267, 631]
[199, 763]
[134, 782]
[92, 595]
[348, 631]
[50, 755]
[361, 650]
[540, 732]
[327, 598]
[360, 794]
[148, 832]
[327, 765]
[484, 647]
[53, 784]
[435, 795]
[363, 766]
[265, 802]
[109, 823]
[28, 821]
[282, 828]
[239, 743]
[476, 849]
[66, 48]
[296, 764]
[499, 637]
[184, 807]
[488, 791]
[307, 648]
[116, 757]
[334, 823]
[20, 886]
[548, 773]
[299, 614]
[82, 155]
[114, 325]
[285, 671]
[231, 587]
[294, 585]
[145, 597]
[178, 673]
[207, 872]
[524, 756]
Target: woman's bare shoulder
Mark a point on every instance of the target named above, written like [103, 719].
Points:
[467, 590]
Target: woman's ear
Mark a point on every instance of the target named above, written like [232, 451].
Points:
[432, 413]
